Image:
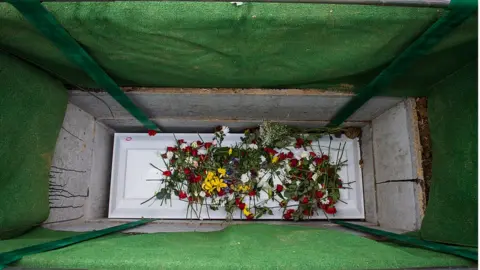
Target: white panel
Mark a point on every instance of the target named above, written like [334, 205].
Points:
[134, 180]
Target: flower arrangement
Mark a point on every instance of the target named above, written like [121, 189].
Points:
[274, 167]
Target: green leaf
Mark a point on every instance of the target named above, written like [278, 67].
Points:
[269, 211]
[160, 195]
[168, 195]
[176, 192]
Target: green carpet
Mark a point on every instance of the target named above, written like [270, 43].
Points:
[452, 212]
[181, 44]
[253, 246]
[32, 107]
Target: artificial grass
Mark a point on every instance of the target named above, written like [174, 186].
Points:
[252, 246]
[268, 45]
[32, 107]
[452, 213]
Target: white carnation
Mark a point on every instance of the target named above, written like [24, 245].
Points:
[245, 178]
[225, 130]
[194, 145]
[202, 194]
[305, 154]
[311, 167]
[315, 177]
[263, 159]
[253, 146]
[170, 155]
[189, 160]
[183, 146]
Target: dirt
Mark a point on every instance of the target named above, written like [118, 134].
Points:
[424, 131]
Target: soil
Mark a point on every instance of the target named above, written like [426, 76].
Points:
[424, 131]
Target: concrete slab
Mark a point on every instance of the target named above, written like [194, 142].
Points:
[398, 171]
[247, 104]
[71, 166]
[368, 174]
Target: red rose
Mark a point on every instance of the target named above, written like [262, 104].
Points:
[250, 217]
[282, 156]
[293, 162]
[172, 161]
[325, 157]
[188, 149]
[287, 216]
[190, 199]
[331, 210]
[279, 188]
[221, 192]
[305, 200]
[318, 160]
[207, 145]
[319, 194]
[290, 155]
[241, 206]
[197, 179]
[270, 151]
[238, 201]
[290, 211]
[186, 171]
[199, 143]
[171, 149]
[152, 132]
[300, 141]
[182, 195]
[252, 193]
[308, 212]
[295, 198]
[194, 152]
[312, 154]
[181, 141]
[167, 173]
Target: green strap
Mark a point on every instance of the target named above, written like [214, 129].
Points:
[420, 47]
[15, 255]
[38, 16]
[458, 251]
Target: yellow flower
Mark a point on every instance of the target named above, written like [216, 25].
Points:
[218, 184]
[210, 175]
[243, 188]
[222, 172]
[208, 186]
[230, 151]
[275, 159]
[246, 212]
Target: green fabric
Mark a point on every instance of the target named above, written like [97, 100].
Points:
[185, 44]
[252, 246]
[414, 241]
[10, 257]
[452, 212]
[419, 48]
[32, 107]
[37, 15]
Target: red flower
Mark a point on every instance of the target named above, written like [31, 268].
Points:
[308, 212]
[252, 193]
[290, 155]
[310, 175]
[152, 132]
[207, 194]
[188, 149]
[312, 154]
[238, 201]
[171, 149]
[282, 156]
[194, 152]
[319, 194]
[241, 206]
[270, 151]
[182, 195]
[290, 211]
[288, 214]
[207, 145]
[331, 210]
[195, 178]
[221, 192]
[172, 161]
[293, 162]
[295, 198]
[164, 155]
[250, 217]
[325, 157]
[186, 171]
[300, 142]
[167, 173]
[305, 200]
[199, 143]
[279, 188]
[190, 199]
[329, 201]
[181, 141]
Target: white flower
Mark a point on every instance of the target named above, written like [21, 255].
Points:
[315, 177]
[287, 181]
[202, 194]
[195, 194]
[169, 155]
[263, 159]
[189, 160]
[298, 183]
[202, 151]
[288, 168]
[253, 146]
[194, 144]
[225, 130]
[320, 186]
[222, 203]
[195, 163]
[231, 196]
[305, 154]
[183, 146]
[311, 167]
[245, 177]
